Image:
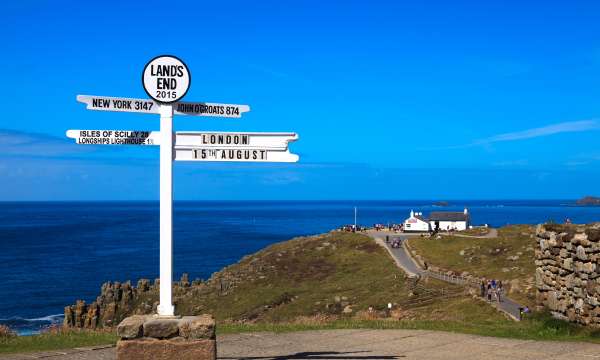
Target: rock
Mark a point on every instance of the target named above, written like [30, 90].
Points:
[184, 281]
[568, 264]
[132, 327]
[143, 285]
[347, 309]
[580, 251]
[515, 286]
[461, 253]
[109, 313]
[150, 349]
[197, 327]
[589, 267]
[161, 328]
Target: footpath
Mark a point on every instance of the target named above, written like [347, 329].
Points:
[370, 345]
[405, 261]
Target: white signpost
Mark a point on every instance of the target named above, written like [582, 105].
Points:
[166, 79]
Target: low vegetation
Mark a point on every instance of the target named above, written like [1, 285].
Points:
[509, 257]
[56, 339]
[542, 327]
[476, 231]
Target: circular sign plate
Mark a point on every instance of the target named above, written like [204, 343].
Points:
[166, 79]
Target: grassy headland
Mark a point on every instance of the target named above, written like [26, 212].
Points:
[509, 257]
[334, 275]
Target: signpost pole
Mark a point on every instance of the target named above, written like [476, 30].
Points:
[165, 307]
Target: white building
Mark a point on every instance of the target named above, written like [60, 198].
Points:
[438, 220]
[416, 222]
[446, 220]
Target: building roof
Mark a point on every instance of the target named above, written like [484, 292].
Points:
[415, 219]
[448, 216]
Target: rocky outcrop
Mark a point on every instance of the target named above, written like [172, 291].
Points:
[115, 302]
[589, 200]
[568, 272]
[120, 300]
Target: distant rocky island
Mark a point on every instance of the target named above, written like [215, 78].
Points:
[440, 203]
[589, 200]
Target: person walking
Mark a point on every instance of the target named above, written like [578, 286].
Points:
[482, 289]
[489, 291]
[500, 290]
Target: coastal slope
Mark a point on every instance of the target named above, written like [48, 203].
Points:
[319, 278]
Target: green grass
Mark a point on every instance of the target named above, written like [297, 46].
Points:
[302, 277]
[492, 258]
[476, 231]
[56, 341]
[540, 327]
[474, 321]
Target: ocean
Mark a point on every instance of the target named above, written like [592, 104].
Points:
[54, 253]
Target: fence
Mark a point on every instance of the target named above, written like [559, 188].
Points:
[454, 279]
[423, 296]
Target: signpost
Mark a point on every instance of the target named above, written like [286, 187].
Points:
[166, 80]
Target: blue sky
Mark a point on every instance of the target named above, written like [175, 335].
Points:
[392, 100]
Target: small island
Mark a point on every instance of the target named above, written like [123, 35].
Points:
[440, 203]
[589, 201]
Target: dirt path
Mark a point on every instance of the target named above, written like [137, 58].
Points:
[375, 344]
[412, 268]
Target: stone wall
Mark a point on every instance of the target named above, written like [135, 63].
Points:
[568, 272]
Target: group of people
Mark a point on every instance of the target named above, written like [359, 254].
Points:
[492, 290]
[394, 242]
[352, 228]
[389, 227]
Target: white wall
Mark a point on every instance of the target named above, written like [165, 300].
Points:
[458, 225]
[419, 225]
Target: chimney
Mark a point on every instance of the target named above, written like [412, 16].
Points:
[466, 211]
[412, 214]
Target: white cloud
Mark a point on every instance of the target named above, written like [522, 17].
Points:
[564, 127]
[19, 143]
[559, 128]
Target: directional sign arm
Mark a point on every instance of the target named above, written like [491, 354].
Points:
[234, 155]
[268, 141]
[114, 137]
[106, 103]
[210, 109]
